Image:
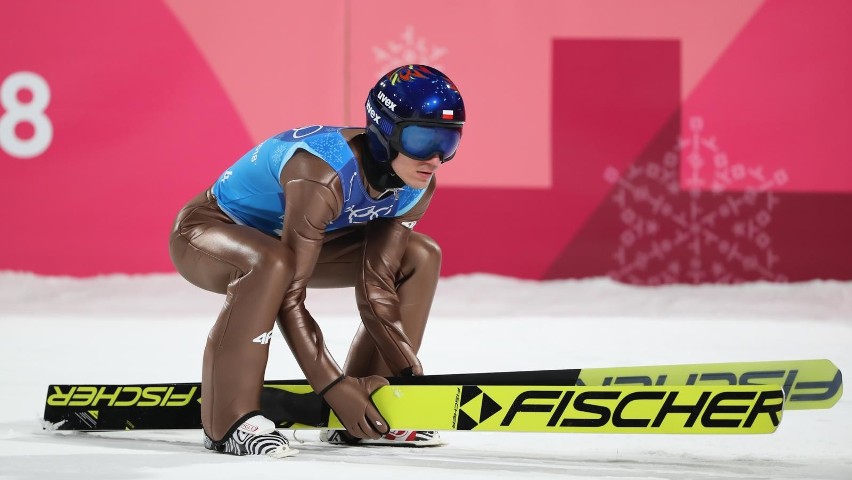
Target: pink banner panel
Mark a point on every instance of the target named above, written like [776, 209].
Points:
[775, 110]
[134, 122]
[526, 229]
[499, 54]
[498, 61]
[275, 68]
[119, 112]
[652, 229]
[652, 141]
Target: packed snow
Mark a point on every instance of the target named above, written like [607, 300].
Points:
[152, 328]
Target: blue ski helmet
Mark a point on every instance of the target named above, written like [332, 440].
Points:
[416, 110]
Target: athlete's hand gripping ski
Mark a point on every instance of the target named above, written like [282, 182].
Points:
[349, 397]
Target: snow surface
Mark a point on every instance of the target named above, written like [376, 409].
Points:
[137, 329]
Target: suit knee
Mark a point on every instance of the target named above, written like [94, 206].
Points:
[422, 250]
[275, 263]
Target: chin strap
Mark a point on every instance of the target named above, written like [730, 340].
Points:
[379, 173]
[381, 176]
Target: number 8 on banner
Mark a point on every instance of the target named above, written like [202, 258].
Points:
[32, 112]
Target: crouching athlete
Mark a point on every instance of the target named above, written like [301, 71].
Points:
[322, 207]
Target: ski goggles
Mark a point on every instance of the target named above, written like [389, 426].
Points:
[422, 141]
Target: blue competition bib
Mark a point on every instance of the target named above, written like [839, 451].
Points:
[251, 194]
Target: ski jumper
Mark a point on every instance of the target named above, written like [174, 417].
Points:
[294, 212]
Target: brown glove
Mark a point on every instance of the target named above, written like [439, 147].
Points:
[349, 397]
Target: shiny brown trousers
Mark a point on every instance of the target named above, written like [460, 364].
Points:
[254, 270]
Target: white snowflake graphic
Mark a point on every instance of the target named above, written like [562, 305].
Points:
[411, 50]
[715, 230]
[724, 175]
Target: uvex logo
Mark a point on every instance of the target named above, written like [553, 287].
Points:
[372, 113]
[386, 101]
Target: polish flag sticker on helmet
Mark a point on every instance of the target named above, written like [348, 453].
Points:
[447, 115]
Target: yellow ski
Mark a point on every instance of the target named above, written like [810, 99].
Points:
[711, 409]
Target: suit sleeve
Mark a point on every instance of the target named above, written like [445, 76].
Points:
[375, 288]
[313, 200]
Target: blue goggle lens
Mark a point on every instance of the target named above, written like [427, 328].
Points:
[424, 142]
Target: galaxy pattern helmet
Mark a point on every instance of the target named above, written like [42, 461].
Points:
[415, 110]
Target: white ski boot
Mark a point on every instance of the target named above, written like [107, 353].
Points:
[255, 436]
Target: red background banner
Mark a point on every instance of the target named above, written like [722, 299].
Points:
[653, 141]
